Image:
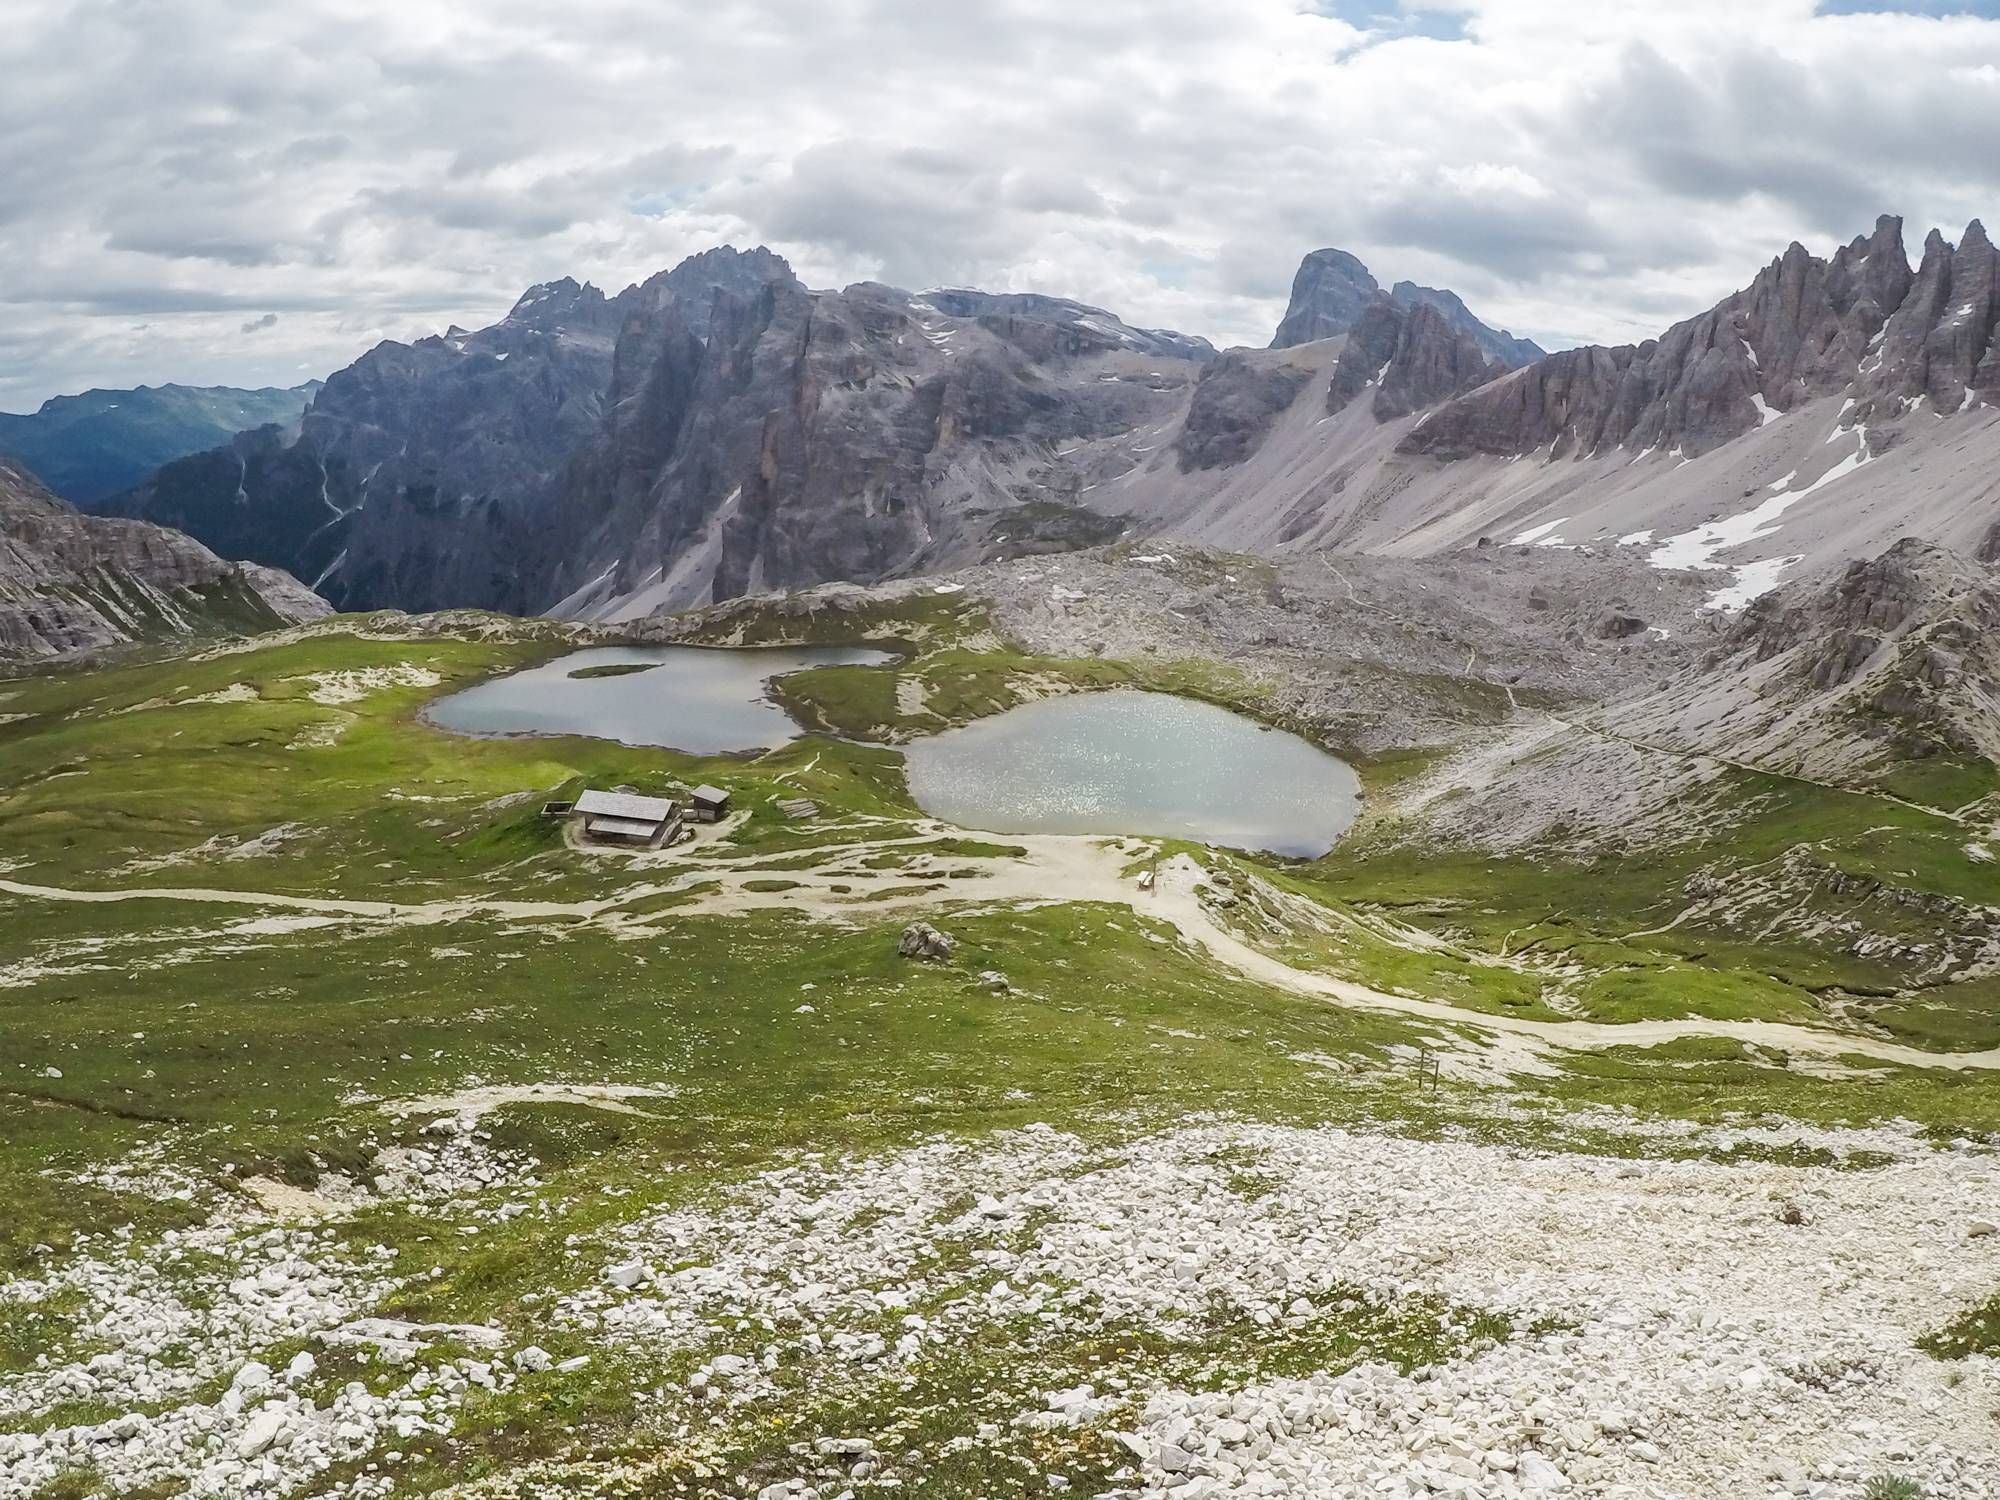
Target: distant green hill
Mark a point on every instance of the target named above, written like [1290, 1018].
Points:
[93, 445]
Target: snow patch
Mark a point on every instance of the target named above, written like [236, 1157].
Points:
[1536, 533]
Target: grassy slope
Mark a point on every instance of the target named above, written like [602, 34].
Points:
[176, 1028]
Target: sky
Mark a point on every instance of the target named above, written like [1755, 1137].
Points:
[242, 193]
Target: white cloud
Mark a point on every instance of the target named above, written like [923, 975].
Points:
[1577, 169]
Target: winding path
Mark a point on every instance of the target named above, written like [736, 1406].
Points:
[1057, 869]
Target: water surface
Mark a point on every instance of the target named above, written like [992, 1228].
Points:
[1136, 763]
[703, 700]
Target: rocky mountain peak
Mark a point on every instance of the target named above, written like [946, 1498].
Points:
[1328, 294]
[1333, 290]
[694, 284]
[553, 304]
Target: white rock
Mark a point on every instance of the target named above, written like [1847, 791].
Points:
[630, 1274]
[1980, 1228]
[534, 1357]
[254, 1376]
[301, 1367]
[262, 1431]
[1536, 1473]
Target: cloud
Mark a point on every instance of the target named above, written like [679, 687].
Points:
[269, 320]
[1576, 169]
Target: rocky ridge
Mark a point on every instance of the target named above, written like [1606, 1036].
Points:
[1892, 661]
[1860, 322]
[71, 582]
[1333, 289]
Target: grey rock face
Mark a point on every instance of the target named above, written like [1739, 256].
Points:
[854, 435]
[71, 582]
[1934, 347]
[1333, 290]
[1238, 398]
[718, 420]
[1328, 294]
[1412, 358]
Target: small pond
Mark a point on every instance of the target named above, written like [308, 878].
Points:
[698, 699]
[1136, 763]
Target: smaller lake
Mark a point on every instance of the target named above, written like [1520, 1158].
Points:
[1136, 763]
[698, 699]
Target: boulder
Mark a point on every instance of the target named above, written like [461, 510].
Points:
[262, 1431]
[993, 982]
[921, 940]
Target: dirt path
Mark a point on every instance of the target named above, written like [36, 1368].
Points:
[1060, 869]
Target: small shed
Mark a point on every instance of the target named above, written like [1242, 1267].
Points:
[708, 803]
[624, 818]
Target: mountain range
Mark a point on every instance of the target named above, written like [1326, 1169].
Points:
[88, 446]
[721, 430]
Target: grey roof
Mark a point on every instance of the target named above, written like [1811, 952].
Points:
[619, 805]
[710, 794]
[628, 828]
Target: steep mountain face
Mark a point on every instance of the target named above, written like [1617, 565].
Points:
[420, 470]
[90, 446]
[858, 434]
[71, 582]
[1498, 345]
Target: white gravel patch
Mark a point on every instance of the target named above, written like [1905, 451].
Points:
[1704, 1347]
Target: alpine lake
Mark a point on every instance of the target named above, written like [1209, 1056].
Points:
[1112, 762]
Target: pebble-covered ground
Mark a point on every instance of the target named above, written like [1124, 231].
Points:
[1221, 1309]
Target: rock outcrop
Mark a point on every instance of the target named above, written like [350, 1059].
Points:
[921, 940]
[1237, 399]
[71, 582]
[1893, 660]
[1410, 355]
[1499, 345]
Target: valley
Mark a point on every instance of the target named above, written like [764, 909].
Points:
[294, 980]
[1560, 1057]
